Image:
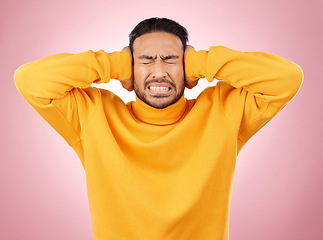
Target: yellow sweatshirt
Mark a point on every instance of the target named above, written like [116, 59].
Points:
[159, 174]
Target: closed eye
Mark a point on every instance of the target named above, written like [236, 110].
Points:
[169, 57]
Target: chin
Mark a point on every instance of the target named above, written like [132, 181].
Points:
[160, 105]
[159, 102]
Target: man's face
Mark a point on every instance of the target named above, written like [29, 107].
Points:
[158, 68]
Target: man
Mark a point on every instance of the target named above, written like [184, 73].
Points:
[162, 166]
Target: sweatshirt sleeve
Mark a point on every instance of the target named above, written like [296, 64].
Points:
[58, 87]
[255, 86]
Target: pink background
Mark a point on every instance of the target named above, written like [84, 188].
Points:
[278, 185]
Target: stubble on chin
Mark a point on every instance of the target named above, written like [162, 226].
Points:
[158, 102]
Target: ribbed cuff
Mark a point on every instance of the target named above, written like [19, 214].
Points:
[120, 65]
[195, 64]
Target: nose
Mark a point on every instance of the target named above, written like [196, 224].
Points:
[159, 70]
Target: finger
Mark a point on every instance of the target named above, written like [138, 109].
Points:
[128, 50]
[188, 47]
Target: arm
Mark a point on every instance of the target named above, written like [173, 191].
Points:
[258, 85]
[58, 86]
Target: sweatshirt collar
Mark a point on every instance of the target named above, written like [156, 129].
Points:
[166, 116]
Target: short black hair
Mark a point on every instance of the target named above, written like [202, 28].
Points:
[156, 24]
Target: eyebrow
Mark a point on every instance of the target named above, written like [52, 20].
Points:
[147, 57]
[170, 57]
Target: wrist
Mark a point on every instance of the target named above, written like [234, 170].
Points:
[195, 64]
[120, 65]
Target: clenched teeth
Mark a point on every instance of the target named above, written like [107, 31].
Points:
[159, 88]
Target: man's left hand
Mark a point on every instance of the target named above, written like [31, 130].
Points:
[189, 83]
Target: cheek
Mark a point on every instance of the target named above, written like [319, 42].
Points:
[140, 73]
[177, 74]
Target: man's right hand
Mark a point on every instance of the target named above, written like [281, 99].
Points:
[128, 84]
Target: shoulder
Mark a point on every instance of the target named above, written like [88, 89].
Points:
[214, 92]
[221, 92]
[96, 96]
[223, 98]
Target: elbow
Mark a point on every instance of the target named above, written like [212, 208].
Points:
[293, 76]
[296, 79]
[19, 77]
[22, 79]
